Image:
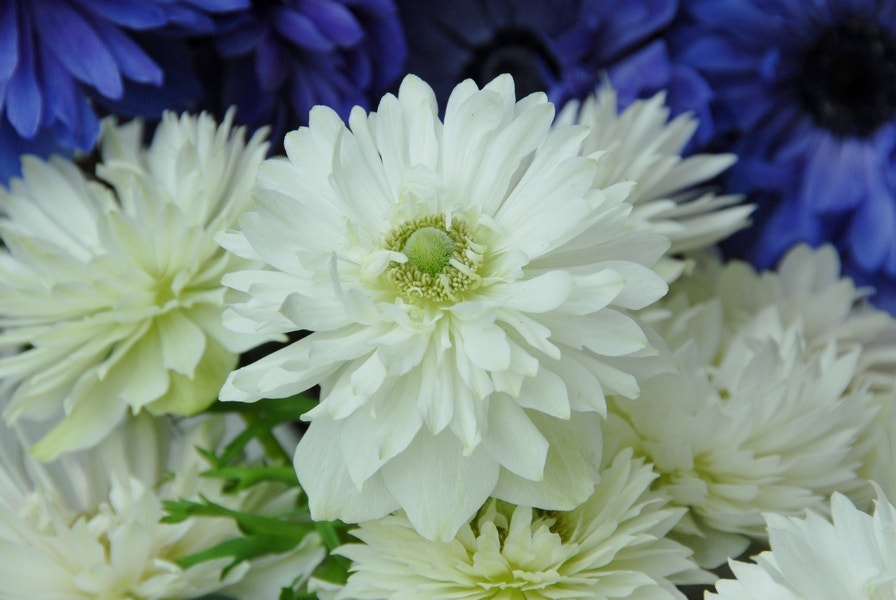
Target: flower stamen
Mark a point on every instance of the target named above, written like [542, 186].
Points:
[443, 260]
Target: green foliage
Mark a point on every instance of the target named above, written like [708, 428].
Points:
[261, 534]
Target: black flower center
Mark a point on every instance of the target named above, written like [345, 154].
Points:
[848, 78]
[519, 53]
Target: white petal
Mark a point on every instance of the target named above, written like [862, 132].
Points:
[513, 440]
[571, 469]
[439, 488]
[483, 343]
[331, 494]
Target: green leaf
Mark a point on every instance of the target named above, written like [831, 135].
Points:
[239, 549]
[243, 477]
[329, 533]
[334, 569]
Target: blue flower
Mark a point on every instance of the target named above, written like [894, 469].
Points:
[281, 58]
[807, 92]
[562, 47]
[61, 59]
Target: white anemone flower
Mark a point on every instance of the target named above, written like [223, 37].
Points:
[87, 525]
[467, 290]
[110, 287]
[808, 288]
[612, 546]
[764, 424]
[851, 557]
[670, 195]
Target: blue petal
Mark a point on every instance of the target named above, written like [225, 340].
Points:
[241, 37]
[271, 63]
[300, 30]
[132, 61]
[180, 91]
[359, 69]
[9, 40]
[872, 231]
[23, 99]
[133, 14]
[789, 224]
[628, 23]
[217, 6]
[743, 18]
[639, 71]
[715, 53]
[73, 120]
[75, 43]
[13, 146]
[336, 21]
[834, 179]
[188, 19]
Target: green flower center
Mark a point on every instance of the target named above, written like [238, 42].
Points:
[443, 259]
[429, 249]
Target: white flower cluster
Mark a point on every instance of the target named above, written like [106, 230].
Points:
[87, 526]
[612, 546]
[468, 284]
[776, 403]
[531, 378]
[110, 288]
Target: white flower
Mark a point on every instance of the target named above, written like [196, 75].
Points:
[613, 546]
[642, 145]
[851, 558]
[764, 424]
[808, 288]
[111, 287]
[86, 526]
[467, 289]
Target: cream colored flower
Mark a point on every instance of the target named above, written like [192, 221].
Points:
[468, 290]
[110, 287]
[764, 423]
[670, 197]
[613, 546]
[851, 557]
[86, 526]
[808, 288]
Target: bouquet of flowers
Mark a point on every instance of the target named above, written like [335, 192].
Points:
[363, 299]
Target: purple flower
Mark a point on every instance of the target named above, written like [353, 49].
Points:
[806, 93]
[60, 59]
[561, 47]
[281, 58]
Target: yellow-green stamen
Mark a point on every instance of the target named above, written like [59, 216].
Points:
[442, 259]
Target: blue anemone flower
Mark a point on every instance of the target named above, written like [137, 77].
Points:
[60, 59]
[806, 90]
[562, 47]
[283, 57]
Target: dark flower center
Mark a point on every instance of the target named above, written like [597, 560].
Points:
[519, 53]
[848, 78]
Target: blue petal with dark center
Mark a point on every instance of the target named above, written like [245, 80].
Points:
[562, 47]
[805, 91]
